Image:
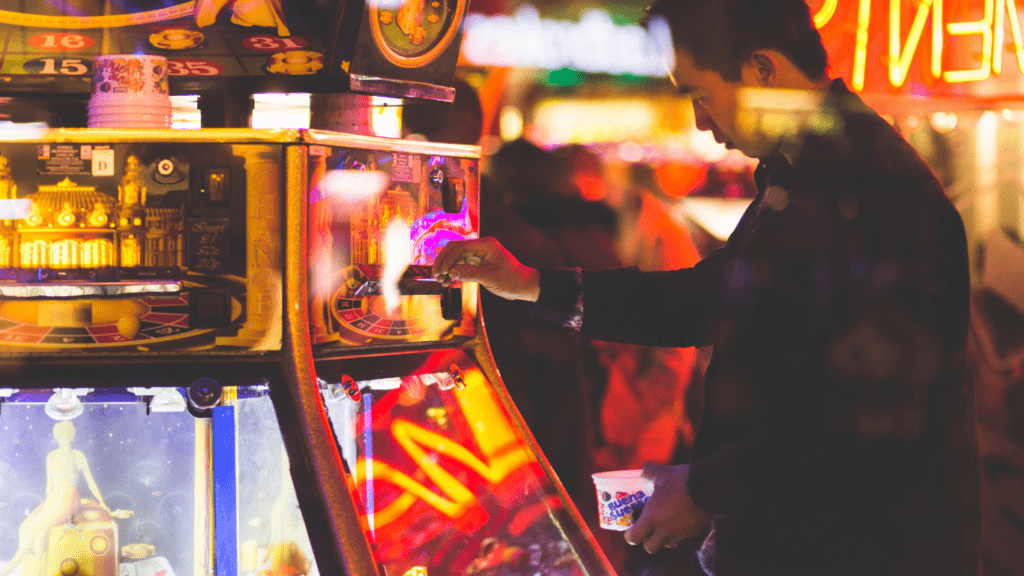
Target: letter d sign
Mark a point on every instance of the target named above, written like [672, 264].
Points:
[102, 162]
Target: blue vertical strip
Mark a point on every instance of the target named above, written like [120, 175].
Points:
[368, 457]
[225, 499]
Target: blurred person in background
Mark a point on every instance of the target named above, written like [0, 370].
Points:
[838, 433]
[539, 188]
[649, 238]
[643, 408]
[540, 363]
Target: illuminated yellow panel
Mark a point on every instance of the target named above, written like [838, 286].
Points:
[98, 252]
[35, 254]
[861, 53]
[131, 252]
[1008, 7]
[5, 253]
[982, 27]
[899, 59]
[828, 10]
[66, 253]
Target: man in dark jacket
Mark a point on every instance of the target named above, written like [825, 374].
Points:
[838, 429]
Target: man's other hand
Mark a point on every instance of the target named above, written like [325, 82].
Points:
[487, 262]
[670, 515]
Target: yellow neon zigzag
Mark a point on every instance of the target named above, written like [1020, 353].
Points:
[412, 438]
[111, 21]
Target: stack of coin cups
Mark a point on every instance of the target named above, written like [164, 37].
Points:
[129, 91]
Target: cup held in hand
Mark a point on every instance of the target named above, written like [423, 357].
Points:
[621, 496]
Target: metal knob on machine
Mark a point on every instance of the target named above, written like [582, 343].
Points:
[203, 395]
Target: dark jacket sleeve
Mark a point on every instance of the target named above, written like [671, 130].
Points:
[674, 308]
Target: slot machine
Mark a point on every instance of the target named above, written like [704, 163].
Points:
[221, 351]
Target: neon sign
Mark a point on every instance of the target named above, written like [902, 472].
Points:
[594, 44]
[976, 29]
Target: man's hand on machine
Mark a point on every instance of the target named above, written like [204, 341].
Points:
[670, 515]
[487, 262]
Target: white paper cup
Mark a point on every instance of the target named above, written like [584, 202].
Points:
[130, 108]
[130, 123]
[129, 91]
[116, 99]
[129, 75]
[621, 495]
[127, 116]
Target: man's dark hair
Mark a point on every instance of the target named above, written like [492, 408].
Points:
[721, 34]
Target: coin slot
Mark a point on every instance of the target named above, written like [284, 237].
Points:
[453, 193]
[217, 184]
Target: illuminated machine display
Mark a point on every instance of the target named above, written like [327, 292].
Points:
[221, 349]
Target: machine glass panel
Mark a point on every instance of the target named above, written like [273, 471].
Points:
[446, 481]
[377, 218]
[142, 244]
[130, 482]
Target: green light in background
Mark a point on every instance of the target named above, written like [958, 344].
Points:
[564, 77]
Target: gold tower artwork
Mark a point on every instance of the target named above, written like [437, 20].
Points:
[371, 220]
[72, 226]
[8, 191]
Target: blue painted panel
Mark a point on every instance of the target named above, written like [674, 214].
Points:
[225, 498]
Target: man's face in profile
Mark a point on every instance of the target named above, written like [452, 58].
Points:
[715, 104]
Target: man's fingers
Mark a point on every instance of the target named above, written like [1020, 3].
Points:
[639, 531]
[651, 470]
[655, 541]
[468, 273]
[447, 257]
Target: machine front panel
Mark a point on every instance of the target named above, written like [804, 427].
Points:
[109, 245]
[446, 482]
[135, 482]
[377, 218]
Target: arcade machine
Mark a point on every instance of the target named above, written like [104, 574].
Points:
[220, 350]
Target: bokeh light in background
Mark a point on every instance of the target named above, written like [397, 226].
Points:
[269, 111]
[593, 44]
[510, 123]
[280, 111]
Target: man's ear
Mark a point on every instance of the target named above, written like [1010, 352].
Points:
[761, 69]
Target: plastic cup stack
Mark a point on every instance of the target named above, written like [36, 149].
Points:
[129, 91]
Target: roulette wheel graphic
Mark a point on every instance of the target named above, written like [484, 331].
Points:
[131, 321]
[363, 320]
